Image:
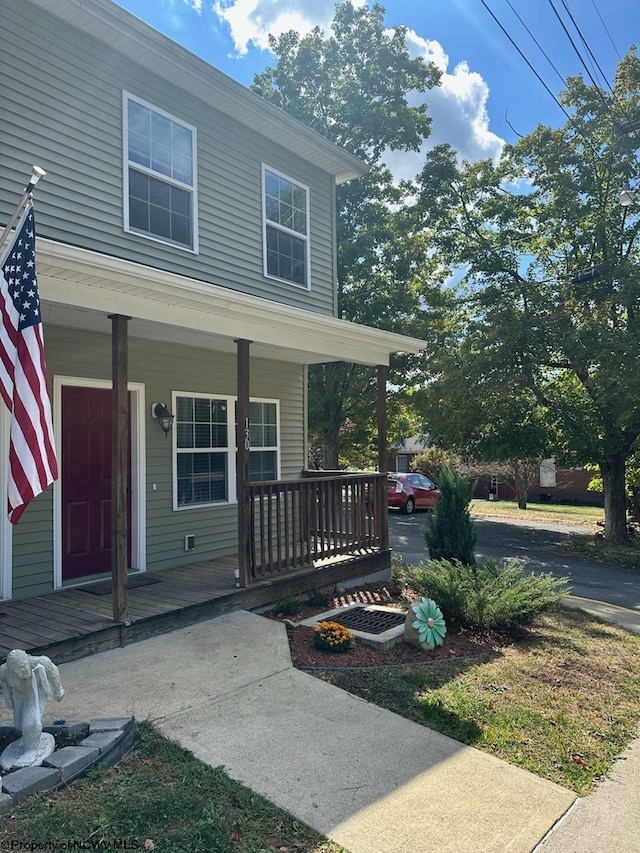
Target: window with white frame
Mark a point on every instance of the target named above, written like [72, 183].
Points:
[402, 463]
[263, 430]
[204, 442]
[159, 175]
[286, 228]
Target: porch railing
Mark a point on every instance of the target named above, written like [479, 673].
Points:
[298, 522]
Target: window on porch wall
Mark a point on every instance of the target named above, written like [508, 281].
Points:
[204, 449]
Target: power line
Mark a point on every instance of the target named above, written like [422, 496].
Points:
[585, 43]
[536, 42]
[513, 42]
[578, 54]
[604, 27]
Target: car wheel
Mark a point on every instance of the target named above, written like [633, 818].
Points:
[409, 506]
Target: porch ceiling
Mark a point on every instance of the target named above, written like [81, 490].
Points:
[79, 288]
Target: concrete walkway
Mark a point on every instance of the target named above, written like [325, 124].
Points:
[367, 778]
[606, 819]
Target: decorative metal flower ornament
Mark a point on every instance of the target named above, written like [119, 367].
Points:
[429, 622]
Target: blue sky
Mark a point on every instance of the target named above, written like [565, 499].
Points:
[488, 90]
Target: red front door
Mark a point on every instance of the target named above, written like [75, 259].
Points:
[86, 482]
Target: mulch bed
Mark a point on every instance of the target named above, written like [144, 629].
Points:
[458, 642]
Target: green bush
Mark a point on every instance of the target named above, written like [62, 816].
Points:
[289, 605]
[321, 597]
[495, 594]
[449, 533]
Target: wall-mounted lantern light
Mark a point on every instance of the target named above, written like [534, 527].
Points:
[163, 416]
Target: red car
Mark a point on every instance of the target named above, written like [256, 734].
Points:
[411, 491]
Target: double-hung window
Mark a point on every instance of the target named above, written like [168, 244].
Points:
[159, 175]
[263, 431]
[204, 447]
[286, 228]
[202, 450]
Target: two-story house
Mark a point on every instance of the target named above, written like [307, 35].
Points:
[185, 247]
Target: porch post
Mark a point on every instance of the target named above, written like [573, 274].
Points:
[242, 472]
[382, 418]
[383, 512]
[119, 466]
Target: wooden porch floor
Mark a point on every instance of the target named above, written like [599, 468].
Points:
[72, 623]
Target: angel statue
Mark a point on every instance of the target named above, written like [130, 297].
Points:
[27, 684]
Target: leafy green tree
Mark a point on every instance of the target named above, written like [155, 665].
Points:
[550, 292]
[430, 461]
[351, 86]
[449, 533]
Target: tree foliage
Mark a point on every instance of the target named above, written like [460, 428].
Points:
[351, 86]
[546, 317]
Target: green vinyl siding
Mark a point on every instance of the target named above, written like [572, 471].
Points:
[62, 109]
[162, 368]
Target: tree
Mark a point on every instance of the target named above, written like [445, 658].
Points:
[550, 292]
[449, 533]
[351, 87]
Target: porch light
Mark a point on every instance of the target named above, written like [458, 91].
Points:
[163, 416]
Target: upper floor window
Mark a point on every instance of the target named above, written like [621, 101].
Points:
[159, 175]
[286, 228]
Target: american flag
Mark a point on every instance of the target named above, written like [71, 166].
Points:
[33, 464]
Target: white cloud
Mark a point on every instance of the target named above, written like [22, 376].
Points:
[251, 21]
[458, 108]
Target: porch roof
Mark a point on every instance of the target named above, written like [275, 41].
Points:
[79, 288]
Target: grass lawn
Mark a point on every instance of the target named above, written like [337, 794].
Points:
[159, 798]
[589, 516]
[563, 703]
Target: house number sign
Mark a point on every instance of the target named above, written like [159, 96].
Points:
[247, 442]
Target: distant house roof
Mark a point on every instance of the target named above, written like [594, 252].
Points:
[412, 445]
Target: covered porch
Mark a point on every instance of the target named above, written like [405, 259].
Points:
[73, 623]
[287, 528]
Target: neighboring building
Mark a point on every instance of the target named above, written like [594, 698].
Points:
[552, 484]
[188, 212]
[406, 450]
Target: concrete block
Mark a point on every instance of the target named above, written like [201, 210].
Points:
[72, 761]
[68, 730]
[6, 804]
[110, 724]
[103, 741]
[24, 783]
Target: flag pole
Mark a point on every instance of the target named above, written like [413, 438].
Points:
[36, 174]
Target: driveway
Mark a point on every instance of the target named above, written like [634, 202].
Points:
[534, 544]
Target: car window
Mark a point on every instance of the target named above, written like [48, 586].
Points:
[414, 479]
[426, 483]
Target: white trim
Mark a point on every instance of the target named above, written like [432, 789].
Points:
[306, 237]
[126, 163]
[6, 528]
[77, 279]
[230, 449]
[138, 472]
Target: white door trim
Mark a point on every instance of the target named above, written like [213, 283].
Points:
[138, 472]
[6, 528]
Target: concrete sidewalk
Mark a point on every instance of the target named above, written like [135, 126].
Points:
[367, 778]
[606, 819]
